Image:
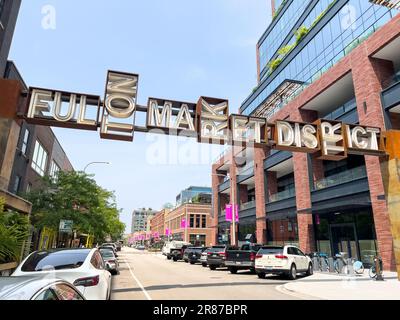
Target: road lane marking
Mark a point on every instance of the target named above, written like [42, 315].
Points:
[138, 282]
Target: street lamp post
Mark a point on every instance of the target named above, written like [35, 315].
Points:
[95, 162]
[233, 203]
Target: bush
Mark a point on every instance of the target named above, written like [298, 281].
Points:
[301, 33]
[14, 230]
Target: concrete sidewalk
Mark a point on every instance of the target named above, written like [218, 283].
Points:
[338, 287]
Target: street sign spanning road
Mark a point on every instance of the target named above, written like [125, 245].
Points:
[208, 120]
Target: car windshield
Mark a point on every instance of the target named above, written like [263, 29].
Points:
[106, 253]
[271, 250]
[57, 260]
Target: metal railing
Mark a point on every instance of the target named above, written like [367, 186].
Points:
[247, 169]
[247, 205]
[340, 178]
[286, 194]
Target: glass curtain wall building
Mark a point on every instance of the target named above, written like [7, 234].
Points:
[327, 30]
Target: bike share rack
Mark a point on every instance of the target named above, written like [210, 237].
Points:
[328, 266]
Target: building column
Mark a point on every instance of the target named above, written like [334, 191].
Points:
[369, 76]
[259, 180]
[303, 190]
[303, 203]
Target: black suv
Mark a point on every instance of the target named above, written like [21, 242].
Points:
[216, 256]
[193, 255]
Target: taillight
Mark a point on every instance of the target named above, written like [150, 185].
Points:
[87, 282]
[223, 254]
[252, 256]
[112, 261]
[259, 256]
[280, 256]
[209, 253]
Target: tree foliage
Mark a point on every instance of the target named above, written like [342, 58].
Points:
[14, 229]
[76, 196]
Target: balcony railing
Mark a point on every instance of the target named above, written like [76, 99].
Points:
[286, 194]
[247, 169]
[247, 205]
[340, 178]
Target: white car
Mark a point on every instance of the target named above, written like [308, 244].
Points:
[84, 268]
[203, 258]
[37, 288]
[173, 245]
[282, 260]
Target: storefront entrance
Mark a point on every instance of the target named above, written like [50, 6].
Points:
[349, 231]
[344, 239]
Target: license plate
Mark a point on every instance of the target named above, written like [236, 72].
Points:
[268, 268]
[215, 255]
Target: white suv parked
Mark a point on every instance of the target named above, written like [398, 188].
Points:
[282, 260]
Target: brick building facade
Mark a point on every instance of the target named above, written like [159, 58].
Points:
[296, 198]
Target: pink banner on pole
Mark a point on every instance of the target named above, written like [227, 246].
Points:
[229, 213]
[167, 232]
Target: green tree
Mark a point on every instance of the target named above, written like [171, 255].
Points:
[76, 196]
[14, 229]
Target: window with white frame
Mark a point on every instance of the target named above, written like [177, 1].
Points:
[54, 170]
[39, 160]
[25, 142]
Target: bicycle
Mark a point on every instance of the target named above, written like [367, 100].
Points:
[320, 256]
[358, 266]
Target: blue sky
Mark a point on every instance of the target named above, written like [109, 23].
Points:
[182, 49]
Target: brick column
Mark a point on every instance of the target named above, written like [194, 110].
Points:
[302, 187]
[261, 222]
[303, 203]
[369, 76]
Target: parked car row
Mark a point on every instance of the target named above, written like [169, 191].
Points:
[286, 261]
[63, 274]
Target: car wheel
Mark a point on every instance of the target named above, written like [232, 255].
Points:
[191, 262]
[204, 265]
[169, 257]
[261, 275]
[213, 268]
[175, 259]
[233, 270]
[293, 272]
[310, 270]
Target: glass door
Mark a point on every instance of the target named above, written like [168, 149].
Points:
[344, 239]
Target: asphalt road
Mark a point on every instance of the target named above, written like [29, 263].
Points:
[151, 276]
